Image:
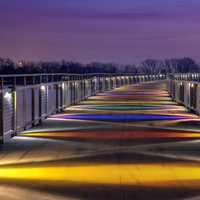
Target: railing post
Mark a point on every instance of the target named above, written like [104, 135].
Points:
[14, 105]
[2, 111]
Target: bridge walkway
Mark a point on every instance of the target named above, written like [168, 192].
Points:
[131, 143]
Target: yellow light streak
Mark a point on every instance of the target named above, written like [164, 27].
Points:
[111, 174]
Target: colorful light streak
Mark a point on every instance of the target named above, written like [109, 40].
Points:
[120, 102]
[107, 107]
[139, 92]
[122, 117]
[114, 134]
[151, 174]
[129, 98]
[128, 108]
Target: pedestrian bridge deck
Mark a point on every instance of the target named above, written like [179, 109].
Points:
[130, 143]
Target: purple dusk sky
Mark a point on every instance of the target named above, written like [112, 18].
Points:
[123, 31]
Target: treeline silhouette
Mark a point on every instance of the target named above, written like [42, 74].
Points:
[148, 66]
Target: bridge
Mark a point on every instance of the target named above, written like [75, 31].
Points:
[100, 137]
[28, 99]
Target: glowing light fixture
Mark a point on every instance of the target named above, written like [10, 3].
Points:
[42, 87]
[8, 96]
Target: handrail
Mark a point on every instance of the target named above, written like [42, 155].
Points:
[12, 80]
[72, 74]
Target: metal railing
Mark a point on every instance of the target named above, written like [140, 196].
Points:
[31, 79]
